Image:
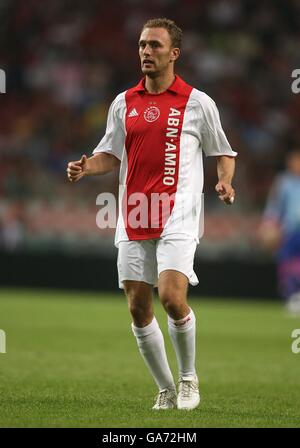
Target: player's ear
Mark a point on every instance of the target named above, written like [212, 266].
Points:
[175, 52]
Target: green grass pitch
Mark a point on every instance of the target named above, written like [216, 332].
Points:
[72, 361]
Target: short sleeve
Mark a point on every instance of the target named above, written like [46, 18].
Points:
[113, 141]
[213, 138]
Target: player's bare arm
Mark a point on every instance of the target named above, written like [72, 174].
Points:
[225, 169]
[97, 164]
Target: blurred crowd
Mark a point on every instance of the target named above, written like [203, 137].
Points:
[66, 60]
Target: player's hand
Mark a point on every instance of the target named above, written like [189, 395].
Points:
[226, 192]
[76, 170]
[269, 234]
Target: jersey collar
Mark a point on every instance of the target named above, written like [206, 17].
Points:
[175, 87]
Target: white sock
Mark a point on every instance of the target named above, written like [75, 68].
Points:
[152, 348]
[183, 336]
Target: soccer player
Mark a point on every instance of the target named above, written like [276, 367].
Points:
[156, 132]
[281, 229]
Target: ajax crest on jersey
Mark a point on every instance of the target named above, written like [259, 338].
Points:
[151, 114]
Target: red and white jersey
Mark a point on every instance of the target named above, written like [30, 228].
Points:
[159, 139]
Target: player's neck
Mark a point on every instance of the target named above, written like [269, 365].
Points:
[159, 84]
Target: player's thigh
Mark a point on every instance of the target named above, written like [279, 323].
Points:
[173, 282]
[175, 260]
[137, 262]
[137, 269]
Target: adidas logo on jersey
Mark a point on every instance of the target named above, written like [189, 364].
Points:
[133, 113]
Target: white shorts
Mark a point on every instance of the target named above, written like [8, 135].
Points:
[144, 260]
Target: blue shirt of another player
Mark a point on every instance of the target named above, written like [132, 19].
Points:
[284, 202]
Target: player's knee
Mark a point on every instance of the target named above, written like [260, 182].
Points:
[140, 309]
[141, 316]
[170, 300]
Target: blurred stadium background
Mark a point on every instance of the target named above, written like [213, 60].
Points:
[66, 60]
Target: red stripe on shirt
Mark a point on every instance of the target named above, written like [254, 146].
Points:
[153, 153]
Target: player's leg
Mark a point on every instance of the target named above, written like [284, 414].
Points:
[137, 277]
[140, 302]
[175, 260]
[289, 271]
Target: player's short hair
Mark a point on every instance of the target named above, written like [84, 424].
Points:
[174, 31]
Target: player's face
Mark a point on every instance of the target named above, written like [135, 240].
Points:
[156, 51]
